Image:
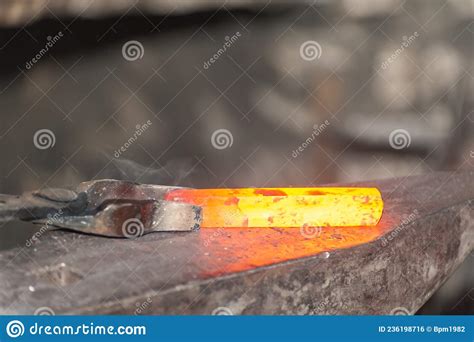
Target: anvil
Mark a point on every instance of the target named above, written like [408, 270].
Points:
[426, 231]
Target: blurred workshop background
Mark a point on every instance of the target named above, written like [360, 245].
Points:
[237, 93]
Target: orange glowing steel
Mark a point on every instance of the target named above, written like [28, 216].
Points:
[284, 207]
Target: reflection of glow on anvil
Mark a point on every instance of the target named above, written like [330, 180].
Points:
[284, 207]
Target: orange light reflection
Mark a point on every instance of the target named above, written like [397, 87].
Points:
[348, 217]
[228, 250]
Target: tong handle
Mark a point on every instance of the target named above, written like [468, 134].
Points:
[40, 204]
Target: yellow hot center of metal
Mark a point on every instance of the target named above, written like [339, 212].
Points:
[284, 207]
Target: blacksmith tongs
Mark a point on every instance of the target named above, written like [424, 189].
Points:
[103, 207]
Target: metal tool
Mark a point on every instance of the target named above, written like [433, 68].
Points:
[103, 207]
[126, 209]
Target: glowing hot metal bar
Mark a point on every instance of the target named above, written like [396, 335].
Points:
[284, 207]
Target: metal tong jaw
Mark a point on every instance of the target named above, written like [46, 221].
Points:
[103, 207]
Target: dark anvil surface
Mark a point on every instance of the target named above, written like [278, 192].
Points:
[426, 231]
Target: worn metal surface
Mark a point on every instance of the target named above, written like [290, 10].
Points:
[426, 231]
